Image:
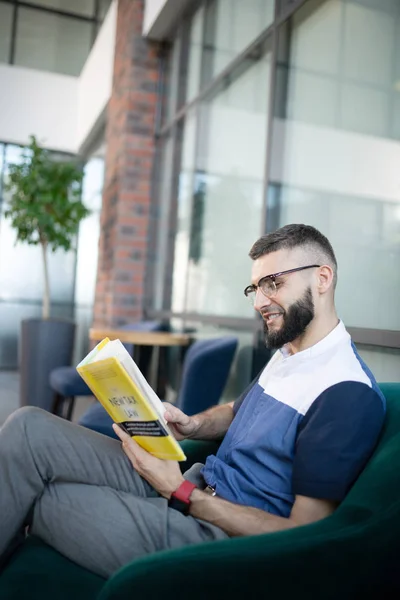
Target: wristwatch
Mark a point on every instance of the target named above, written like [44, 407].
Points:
[180, 498]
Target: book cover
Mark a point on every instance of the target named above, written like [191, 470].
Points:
[118, 384]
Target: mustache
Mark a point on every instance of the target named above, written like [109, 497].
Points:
[271, 309]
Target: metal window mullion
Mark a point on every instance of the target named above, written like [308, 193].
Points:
[3, 151]
[183, 63]
[13, 35]
[95, 21]
[153, 227]
[197, 117]
[161, 87]
[171, 223]
[268, 143]
[270, 117]
[208, 29]
[379, 338]
[285, 14]
[231, 66]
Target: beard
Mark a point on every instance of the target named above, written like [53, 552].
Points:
[295, 321]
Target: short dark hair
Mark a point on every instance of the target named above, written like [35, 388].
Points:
[297, 236]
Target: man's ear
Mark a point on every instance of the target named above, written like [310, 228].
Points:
[325, 279]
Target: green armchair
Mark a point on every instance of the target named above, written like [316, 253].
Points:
[351, 554]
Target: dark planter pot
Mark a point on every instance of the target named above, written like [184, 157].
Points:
[45, 345]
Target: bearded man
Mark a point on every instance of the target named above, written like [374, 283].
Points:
[293, 443]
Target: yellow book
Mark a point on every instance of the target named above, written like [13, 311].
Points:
[118, 384]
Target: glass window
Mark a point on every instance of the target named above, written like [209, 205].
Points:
[340, 63]
[80, 7]
[231, 25]
[6, 11]
[51, 42]
[228, 180]
[334, 165]
[383, 362]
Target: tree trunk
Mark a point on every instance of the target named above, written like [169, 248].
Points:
[46, 292]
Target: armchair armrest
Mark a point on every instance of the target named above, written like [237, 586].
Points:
[315, 556]
[197, 451]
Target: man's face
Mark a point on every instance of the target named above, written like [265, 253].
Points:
[286, 315]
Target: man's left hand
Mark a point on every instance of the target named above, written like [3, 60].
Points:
[163, 475]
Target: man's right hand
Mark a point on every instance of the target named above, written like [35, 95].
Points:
[180, 424]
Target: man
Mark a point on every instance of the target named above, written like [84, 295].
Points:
[292, 445]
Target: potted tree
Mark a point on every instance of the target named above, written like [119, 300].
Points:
[45, 209]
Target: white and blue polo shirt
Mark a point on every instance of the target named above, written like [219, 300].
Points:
[307, 426]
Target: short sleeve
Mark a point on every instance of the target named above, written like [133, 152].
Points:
[335, 439]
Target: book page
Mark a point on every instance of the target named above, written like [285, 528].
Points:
[90, 357]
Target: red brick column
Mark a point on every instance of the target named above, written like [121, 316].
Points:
[129, 160]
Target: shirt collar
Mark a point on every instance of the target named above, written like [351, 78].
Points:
[337, 335]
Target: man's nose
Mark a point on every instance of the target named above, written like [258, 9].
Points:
[261, 300]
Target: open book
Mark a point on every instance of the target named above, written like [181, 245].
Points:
[118, 384]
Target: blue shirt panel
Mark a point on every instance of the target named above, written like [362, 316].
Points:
[272, 451]
[254, 463]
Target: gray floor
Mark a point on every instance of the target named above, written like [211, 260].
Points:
[9, 397]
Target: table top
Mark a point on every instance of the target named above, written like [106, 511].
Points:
[140, 338]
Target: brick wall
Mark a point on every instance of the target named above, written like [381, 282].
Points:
[131, 114]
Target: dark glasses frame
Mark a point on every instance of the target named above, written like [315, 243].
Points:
[254, 286]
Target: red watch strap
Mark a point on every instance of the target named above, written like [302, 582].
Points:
[184, 491]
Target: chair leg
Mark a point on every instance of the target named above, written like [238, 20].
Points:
[70, 408]
[57, 403]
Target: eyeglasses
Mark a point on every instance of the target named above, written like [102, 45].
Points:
[268, 285]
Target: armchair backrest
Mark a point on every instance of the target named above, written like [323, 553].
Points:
[352, 554]
[376, 489]
[205, 372]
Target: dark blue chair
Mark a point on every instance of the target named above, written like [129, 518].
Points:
[205, 372]
[66, 382]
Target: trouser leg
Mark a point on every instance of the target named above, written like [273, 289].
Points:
[103, 529]
[89, 503]
[38, 449]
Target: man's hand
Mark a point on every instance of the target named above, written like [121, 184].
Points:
[164, 475]
[180, 424]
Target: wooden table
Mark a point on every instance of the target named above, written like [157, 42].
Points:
[156, 339]
[140, 338]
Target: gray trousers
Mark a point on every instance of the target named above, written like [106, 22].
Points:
[81, 495]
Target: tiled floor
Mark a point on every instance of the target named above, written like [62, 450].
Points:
[9, 397]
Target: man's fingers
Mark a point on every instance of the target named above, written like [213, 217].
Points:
[120, 432]
[174, 415]
[129, 445]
